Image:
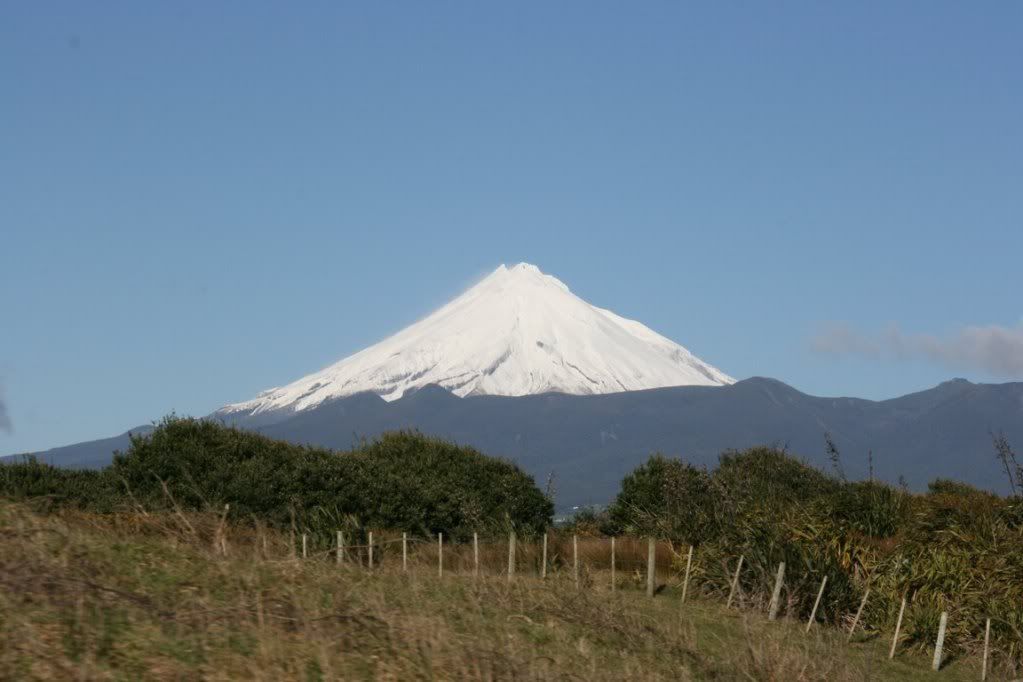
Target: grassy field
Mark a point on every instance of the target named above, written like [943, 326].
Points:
[177, 596]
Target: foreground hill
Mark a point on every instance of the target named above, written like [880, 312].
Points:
[590, 442]
[182, 596]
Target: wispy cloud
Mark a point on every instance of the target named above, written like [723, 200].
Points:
[993, 349]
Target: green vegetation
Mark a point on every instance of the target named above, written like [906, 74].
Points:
[403, 480]
[170, 503]
[953, 549]
[128, 596]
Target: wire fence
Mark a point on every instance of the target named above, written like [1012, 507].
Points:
[590, 562]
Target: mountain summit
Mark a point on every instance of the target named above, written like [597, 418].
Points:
[517, 332]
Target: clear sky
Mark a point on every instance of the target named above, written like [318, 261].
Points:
[202, 200]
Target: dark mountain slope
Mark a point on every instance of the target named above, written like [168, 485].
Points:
[92, 454]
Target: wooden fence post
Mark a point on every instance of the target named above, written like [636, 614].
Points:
[936, 664]
[371, 550]
[440, 555]
[476, 554]
[651, 565]
[772, 611]
[543, 560]
[859, 611]
[898, 626]
[820, 593]
[340, 548]
[404, 552]
[304, 552]
[220, 536]
[575, 558]
[685, 583]
[613, 586]
[735, 583]
[511, 555]
[987, 638]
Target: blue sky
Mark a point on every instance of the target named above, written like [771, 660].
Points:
[202, 200]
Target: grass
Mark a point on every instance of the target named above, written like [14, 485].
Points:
[140, 595]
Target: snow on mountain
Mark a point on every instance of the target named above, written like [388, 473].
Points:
[517, 332]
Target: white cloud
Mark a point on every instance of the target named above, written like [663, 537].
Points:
[993, 349]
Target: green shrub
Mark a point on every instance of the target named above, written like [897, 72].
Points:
[946, 486]
[428, 484]
[50, 486]
[871, 508]
[667, 498]
[402, 481]
[769, 478]
[954, 549]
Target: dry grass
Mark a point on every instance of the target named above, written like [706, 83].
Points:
[155, 596]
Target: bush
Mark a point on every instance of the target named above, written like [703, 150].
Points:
[870, 508]
[769, 478]
[402, 481]
[946, 486]
[956, 548]
[667, 498]
[591, 521]
[49, 486]
[428, 484]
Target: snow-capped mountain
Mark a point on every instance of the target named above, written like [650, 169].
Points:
[517, 332]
